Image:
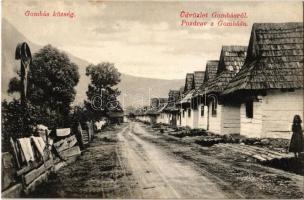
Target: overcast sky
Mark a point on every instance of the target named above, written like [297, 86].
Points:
[142, 38]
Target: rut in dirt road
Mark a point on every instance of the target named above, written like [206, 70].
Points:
[161, 175]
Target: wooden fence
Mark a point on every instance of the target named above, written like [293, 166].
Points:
[19, 177]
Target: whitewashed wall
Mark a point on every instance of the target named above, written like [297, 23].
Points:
[252, 127]
[163, 118]
[202, 120]
[167, 118]
[195, 116]
[139, 117]
[230, 122]
[273, 114]
[215, 121]
[146, 118]
[189, 120]
[178, 121]
[159, 118]
[279, 109]
[183, 118]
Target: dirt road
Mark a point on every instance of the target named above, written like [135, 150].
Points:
[134, 161]
[161, 175]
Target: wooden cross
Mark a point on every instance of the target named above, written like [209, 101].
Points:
[23, 53]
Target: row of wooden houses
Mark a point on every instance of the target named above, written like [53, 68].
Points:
[254, 91]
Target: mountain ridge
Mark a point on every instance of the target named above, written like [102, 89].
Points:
[135, 90]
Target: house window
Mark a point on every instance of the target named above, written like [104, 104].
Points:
[189, 112]
[183, 113]
[202, 111]
[214, 108]
[249, 109]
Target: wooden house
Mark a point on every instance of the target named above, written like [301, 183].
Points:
[140, 114]
[116, 114]
[195, 101]
[171, 111]
[185, 108]
[269, 86]
[178, 105]
[189, 105]
[155, 113]
[223, 116]
[210, 74]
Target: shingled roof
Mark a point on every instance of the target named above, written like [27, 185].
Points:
[274, 59]
[156, 110]
[187, 97]
[198, 79]
[181, 90]
[232, 59]
[189, 83]
[156, 102]
[211, 69]
[157, 105]
[173, 96]
[210, 74]
[141, 111]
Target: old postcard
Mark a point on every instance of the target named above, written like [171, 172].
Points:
[122, 99]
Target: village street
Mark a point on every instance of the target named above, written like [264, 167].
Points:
[162, 175]
[134, 161]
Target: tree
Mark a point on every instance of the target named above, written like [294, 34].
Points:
[80, 115]
[102, 96]
[13, 123]
[51, 83]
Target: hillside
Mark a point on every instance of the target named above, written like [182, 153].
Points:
[135, 91]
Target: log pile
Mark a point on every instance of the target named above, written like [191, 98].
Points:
[260, 154]
[186, 132]
[209, 141]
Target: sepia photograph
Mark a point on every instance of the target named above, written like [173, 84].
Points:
[149, 99]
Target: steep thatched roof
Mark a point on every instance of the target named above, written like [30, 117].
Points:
[198, 78]
[274, 59]
[231, 60]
